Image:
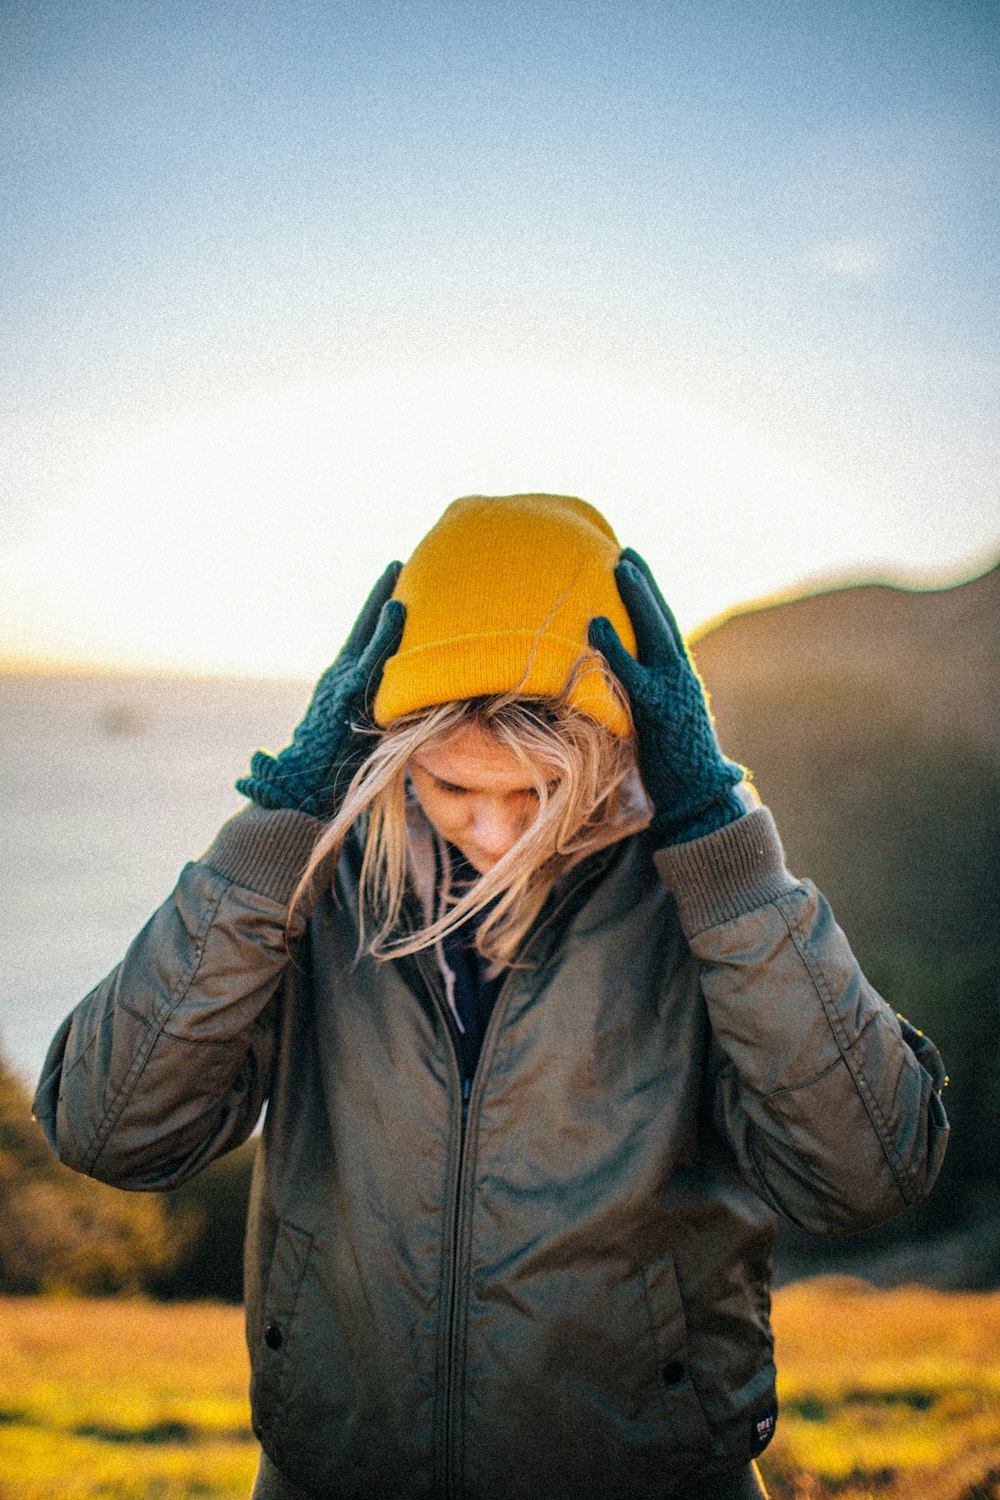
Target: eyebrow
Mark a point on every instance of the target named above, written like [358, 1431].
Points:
[454, 786]
[449, 786]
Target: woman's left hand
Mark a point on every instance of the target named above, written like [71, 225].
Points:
[689, 781]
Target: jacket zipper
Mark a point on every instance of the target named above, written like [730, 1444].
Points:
[443, 1462]
[452, 1394]
[451, 1465]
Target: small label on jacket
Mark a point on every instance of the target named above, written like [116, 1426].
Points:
[762, 1430]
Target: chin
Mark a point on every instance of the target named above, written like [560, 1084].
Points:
[481, 862]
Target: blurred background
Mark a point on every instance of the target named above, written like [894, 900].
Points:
[280, 281]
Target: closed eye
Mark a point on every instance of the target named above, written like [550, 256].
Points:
[528, 791]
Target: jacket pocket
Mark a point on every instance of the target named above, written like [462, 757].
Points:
[668, 1328]
[275, 1336]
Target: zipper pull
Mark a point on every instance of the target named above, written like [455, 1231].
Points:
[466, 1091]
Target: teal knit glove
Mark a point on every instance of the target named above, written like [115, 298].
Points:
[689, 782]
[314, 771]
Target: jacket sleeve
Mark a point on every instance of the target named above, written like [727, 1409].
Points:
[829, 1099]
[165, 1065]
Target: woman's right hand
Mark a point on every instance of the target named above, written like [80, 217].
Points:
[314, 771]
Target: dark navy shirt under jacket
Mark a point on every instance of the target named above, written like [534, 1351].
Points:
[474, 993]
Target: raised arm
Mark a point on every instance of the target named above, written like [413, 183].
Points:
[165, 1065]
[830, 1101]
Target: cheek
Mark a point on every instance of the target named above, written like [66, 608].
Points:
[523, 813]
[447, 812]
[442, 811]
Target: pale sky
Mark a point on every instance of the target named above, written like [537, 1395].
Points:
[282, 279]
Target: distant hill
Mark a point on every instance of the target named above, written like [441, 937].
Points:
[935, 652]
[870, 717]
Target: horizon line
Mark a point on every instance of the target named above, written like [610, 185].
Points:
[903, 580]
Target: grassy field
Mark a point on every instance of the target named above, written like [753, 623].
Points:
[123, 1400]
[889, 1394]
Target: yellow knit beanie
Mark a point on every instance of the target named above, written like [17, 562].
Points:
[499, 595]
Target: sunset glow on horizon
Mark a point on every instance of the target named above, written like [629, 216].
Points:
[282, 287]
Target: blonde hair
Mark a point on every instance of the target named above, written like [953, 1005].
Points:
[596, 800]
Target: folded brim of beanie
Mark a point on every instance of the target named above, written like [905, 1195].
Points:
[520, 661]
[499, 596]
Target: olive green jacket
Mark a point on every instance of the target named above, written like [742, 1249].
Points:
[563, 1288]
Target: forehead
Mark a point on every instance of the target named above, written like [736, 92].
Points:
[472, 759]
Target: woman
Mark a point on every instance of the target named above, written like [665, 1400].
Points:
[548, 1036]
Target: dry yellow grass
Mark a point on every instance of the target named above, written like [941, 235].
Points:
[123, 1400]
[893, 1395]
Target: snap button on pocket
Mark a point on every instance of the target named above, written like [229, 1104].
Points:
[272, 1336]
[673, 1372]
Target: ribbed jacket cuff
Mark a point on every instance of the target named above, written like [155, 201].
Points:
[727, 873]
[264, 850]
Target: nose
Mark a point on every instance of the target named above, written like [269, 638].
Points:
[495, 826]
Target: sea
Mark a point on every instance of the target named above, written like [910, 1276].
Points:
[109, 785]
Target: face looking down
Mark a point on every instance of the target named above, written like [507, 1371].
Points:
[476, 794]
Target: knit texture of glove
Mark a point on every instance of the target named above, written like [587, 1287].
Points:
[689, 782]
[314, 771]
